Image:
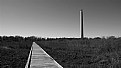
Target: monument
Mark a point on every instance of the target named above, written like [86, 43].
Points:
[81, 24]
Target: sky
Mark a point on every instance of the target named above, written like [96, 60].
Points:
[60, 18]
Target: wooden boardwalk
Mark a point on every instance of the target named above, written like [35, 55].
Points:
[38, 58]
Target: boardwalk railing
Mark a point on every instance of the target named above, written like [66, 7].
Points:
[29, 59]
[38, 58]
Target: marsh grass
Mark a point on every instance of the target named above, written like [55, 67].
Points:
[70, 53]
[89, 53]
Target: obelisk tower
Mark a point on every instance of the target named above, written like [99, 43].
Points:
[81, 24]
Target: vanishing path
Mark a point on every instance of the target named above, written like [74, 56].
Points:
[38, 58]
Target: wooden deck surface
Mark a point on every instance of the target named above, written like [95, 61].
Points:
[40, 59]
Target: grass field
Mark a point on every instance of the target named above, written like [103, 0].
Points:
[70, 53]
[93, 53]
